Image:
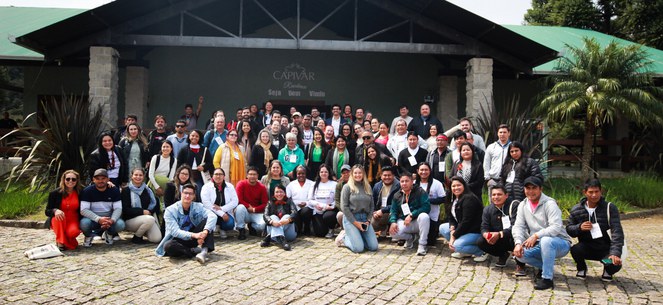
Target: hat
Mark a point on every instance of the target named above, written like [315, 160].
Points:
[100, 172]
[442, 137]
[533, 181]
[296, 114]
[345, 167]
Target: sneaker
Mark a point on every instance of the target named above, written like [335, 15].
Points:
[96, 237]
[543, 284]
[606, 277]
[266, 241]
[137, 240]
[196, 250]
[222, 234]
[108, 238]
[501, 262]
[400, 242]
[421, 250]
[459, 255]
[581, 274]
[88, 241]
[409, 243]
[330, 234]
[242, 234]
[340, 242]
[520, 271]
[116, 238]
[538, 274]
[283, 243]
[201, 258]
[252, 231]
[481, 258]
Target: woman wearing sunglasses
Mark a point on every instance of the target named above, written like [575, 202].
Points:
[63, 211]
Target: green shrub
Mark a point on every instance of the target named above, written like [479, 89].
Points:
[19, 202]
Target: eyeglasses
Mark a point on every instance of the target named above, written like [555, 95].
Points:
[188, 193]
[70, 179]
[179, 126]
[218, 174]
[367, 137]
[232, 135]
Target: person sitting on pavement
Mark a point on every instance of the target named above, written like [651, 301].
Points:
[189, 228]
[496, 224]
[409, 214]
[63, 211]
[383, 192]
[436, 196]
[321, 201]
[590, 221]
[464, 226]
[298, 191]
[101, 208]
[357, 206]
[279, 216]
[140, 209]
[539, 234]
[220, 197]
[253, 199]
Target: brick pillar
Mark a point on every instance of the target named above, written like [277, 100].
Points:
[479, 86]
[136, 94]
[447, 112]
[103, 74]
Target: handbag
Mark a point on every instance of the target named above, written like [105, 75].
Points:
[205, 174]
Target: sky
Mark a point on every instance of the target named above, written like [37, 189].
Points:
[498, 11]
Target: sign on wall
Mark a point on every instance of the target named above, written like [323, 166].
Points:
[296, 82]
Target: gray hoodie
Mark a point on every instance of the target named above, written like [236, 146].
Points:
[546, 220]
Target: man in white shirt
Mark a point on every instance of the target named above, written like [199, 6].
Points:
[495, 155]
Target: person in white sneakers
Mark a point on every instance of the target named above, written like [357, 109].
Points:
[220, 197]
[409, 215]
[101, 210]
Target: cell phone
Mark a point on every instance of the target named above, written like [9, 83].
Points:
[606, 261]
[364, 226]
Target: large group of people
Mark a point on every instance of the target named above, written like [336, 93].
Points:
[348, 177]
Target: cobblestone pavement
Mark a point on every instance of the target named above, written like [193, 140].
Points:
[314, 272]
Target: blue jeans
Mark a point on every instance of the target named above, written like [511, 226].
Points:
[285, 230]
[226, 225]
[91, 228]
[466, 244]
[356, 240]
[544, 253]
[242, 216]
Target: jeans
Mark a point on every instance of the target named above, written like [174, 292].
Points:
[544, 253]
[91, 228]
[242, 216]
[466, 244]
[287, 230]
[356, 240]
[226, 225]
[420, 225]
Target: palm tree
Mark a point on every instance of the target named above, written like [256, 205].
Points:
[599, 85]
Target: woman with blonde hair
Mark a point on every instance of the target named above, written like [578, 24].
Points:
[263, 153]
[357, 207]
[134, 147]
[274, 177]
[63, 210]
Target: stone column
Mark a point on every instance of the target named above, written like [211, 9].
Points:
[103, 74]
[447, 111]
[479, 86]
[136, 94]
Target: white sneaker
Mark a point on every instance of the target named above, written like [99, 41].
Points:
[96, 237]
[421, 250]
[88, 242]
[340, 239]
[222, 234]
[460, 255]
[482, 258]
[108, 238]
[116, 238]
[201, 258]
[409, 243]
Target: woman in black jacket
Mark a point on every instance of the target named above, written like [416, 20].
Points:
[280, 216]
[516, 168]
[109, 157]
[316, 153]
[173, 190]
[133, 147]
[470, 168]
[198, 158]
[63, 211]
[463, 231]
[140, 208]
[263, 153]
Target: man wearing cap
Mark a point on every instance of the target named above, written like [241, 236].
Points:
[436, 157]
[297, 119]
[101, 210]
[538, 233]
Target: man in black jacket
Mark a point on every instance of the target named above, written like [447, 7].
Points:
[590, 221]
[421, 124]
[496, 226]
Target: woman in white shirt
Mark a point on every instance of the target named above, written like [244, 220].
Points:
[162, 168]
[220, 197]
[298, 191]
[321, 201]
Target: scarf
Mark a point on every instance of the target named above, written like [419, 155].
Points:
[268, 153]
[135, 197]
[339, 160]
[220, 194]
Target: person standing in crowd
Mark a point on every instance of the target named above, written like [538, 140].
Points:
[403, 115]
[431, 142]
[230, 157]
[496, 153]
[321, 201]
[197, 157]
[329, 135]
[335, 120]
[357, 206]
[465, 124]
[266, 117]
[373, 164]
[307, 130]
[121, 131]
[133, 148]
[233, 124]
[173, 191]
[316, 153]
[190, 117]
[383, 192]
[398, 140]
[538, 234]
[339, 156]
[253, 198]
[421, 123]
[263, 153]
[246, 138]
[7, 123]
[189, 228]
[469, 168]
[409, 215]
[411, 156]
[220, 197]
[278, 139]
[63, 211]
[590, 221]
[179, 138]
[382, 136]
[359, 116]
[436, 197]
[109, 156]
[101, 208]
[157, 136]
[347, 113]
[496, 222]
[300, 141]
[140, 209]
[279, 217]
[274, 177]
[516, 168]
[215, 138]
[368, 139]
[348, 132]
[375, 126]
[437, 158]
[298, 191]
[315, 116]
[291, 156]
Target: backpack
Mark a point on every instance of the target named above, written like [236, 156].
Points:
[170, 167]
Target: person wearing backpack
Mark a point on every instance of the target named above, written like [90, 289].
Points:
[162, 168]
[590, 221]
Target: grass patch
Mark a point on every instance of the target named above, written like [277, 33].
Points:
[19, 201]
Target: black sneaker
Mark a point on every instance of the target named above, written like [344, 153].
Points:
[401, 242]
[242, 234]
[501, 262]
[543, 284]
[138, 240]
[520, 271]
[581, 274]
[606, 277]
[283, 243]
[252, 231]
[266, 241]
[538, 273]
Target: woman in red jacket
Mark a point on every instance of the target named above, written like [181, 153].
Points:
[63, 211]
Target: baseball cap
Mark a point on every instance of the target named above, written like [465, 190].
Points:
[100, 172]
[533, 181]
[345, 167]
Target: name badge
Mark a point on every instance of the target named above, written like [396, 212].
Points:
[596, 231]
[236, 155]
[440, 166]
[276, 143]
[511, 176]
[506, 222]
[384, 201]
[292, 158]
[412, 160]
[406, 209]
[218, 140]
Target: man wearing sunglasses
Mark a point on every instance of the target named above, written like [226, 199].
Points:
[179, 137]
[368, 139]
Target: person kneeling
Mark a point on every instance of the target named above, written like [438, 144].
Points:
[357, 206]
[464, 226]
[279, 217]
[189, 227]
[496, 227]
[139, 207]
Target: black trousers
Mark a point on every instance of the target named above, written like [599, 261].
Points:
[323, 223]
[582, 251]
[303, 221]
[178, 247]
[501, 247]
[433, 232]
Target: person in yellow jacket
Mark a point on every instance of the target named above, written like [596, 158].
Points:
[230, 157]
